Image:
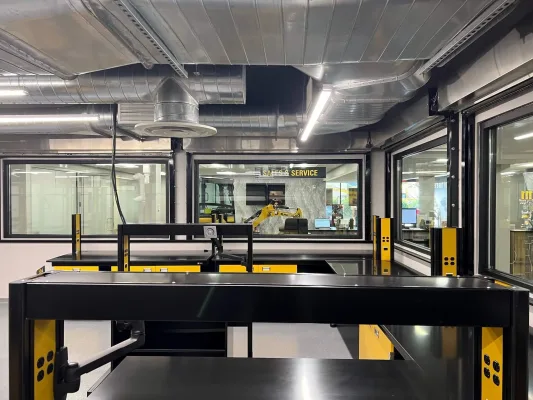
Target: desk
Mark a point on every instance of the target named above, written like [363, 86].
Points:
[245, 298]
[105, 261]
[415, 235]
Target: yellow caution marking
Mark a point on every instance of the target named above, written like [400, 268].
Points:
[44, 352]
[449, 252]
[374, 344]
[83, 268]
[492, 363]
[386, 239]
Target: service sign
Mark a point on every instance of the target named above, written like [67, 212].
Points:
[310, 172]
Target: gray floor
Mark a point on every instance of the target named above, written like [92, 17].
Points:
[270, 340]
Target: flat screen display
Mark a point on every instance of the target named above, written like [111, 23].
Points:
[322, 223]
[409, 216]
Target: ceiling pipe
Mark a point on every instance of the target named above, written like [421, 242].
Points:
[70, 120]
[208, 84]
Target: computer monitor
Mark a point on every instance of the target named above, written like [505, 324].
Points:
[408, 216]
[322, 223]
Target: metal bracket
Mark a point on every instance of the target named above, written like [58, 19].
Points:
[67, 379]
[433, 104]
[210, 232]
[144, 28]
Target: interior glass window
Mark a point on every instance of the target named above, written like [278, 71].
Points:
[423, 191]
[43, 197]
[319, 199]
[512, 176]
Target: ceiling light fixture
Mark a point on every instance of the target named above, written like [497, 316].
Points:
[525, 136]
[13, 119]
[508, 173]
[13, 93]
[315, 114]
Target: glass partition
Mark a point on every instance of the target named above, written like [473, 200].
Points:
[421, 200]
[320, 199]
[42, 196]
[509, 156]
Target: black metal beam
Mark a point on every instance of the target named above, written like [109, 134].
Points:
[185, 229]
[271, 298]
[19, 344]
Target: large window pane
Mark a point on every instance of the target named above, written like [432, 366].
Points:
[325, 198]
[424, 194]
[44, 196]
[512, 170]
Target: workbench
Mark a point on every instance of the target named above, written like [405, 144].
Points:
[246, 298]
[195, 261]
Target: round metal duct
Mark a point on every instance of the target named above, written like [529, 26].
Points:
[175, 114]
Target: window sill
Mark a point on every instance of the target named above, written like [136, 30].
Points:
[413, 251]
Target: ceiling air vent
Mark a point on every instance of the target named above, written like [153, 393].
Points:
[175, 114]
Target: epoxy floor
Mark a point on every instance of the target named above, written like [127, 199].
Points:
[270, 340]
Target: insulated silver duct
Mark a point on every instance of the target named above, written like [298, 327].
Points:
[69, 120]
[174, 103]
[175, 114]
[229, 120]
[208, 84]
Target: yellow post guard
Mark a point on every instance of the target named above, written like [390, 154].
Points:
[44, 352]
[449, 251]
[386, 230]
[492, 363]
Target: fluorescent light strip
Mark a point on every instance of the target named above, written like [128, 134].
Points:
[525, 136]
[13, 93]
[315, 114]
[13, 119]
[508, 173]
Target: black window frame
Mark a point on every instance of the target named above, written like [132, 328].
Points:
[487, 131]
[396, 171]
[363, 210]
[166, 161]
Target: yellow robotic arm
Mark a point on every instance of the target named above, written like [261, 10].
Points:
[272, 210]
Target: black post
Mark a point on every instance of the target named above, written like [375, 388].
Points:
[250, 255]
[468, 191]
[515, 349]
[454, 166]
[388, 184]
[377, 231]
[76, 236]
[368, 199]
[435, 245]
[250, 340]
[123, 249]
[20, 376]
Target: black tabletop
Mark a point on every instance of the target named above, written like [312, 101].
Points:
[109, 258]
[278, 280]
[166, 378]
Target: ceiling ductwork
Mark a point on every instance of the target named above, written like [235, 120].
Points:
[371, 55]
[80, 120]
[175, 114]
[229, 120]
[208, 84]
[363, 93]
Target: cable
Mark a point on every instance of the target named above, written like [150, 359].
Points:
[113, 171]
